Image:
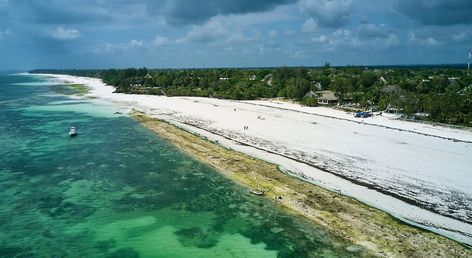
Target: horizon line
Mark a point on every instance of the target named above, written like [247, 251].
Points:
[454, 65]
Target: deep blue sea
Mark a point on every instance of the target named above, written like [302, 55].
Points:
[118, 190]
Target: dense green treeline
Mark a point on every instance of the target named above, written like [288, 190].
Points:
[445, 94]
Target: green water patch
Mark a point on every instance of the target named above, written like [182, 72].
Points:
[167, 233]
[38, 83]
[152, 201]
[87, 108]
[79, 191]
[69, 102]
[117, 190]
[163, 242]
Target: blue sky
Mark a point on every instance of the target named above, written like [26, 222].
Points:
[231, 33]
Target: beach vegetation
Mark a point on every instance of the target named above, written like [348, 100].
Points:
[443, 93]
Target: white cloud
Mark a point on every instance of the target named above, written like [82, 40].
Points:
[392, 40]
[135, 43]
[65, 34]
[237, 37]
[160, 41]
[423, 40]
[211, 31]
[320, 39]
[219, 31]
[310, 26]
[116, 47]
[342, 33]
[462, 36]
[370, 30]
[344, 38]
[459, 37]
[328, 13]
[430, 41]
[371, 34]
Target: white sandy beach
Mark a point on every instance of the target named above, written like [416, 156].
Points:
[420, 173]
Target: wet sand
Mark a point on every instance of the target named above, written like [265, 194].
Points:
[352, 220]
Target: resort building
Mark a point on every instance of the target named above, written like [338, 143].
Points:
[326, 97]
[268, 79]
[136, 84]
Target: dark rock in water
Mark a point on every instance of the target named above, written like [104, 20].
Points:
[124, 253]
[276, 230]
[47, 233]
[72, 211]
[47, 202]
[12, 251]
[195, 236]
[105, 246]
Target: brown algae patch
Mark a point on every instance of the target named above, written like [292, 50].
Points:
[70, 89]
[80, 89]
[342, 216]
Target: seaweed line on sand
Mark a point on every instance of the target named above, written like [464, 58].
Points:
[345, 217]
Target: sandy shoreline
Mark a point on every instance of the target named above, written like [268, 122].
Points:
[427, 185]
[363, 226]
[375, 231]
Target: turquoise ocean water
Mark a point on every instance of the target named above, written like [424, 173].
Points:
[117, 190]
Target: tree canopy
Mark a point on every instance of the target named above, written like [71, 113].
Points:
[445, 93]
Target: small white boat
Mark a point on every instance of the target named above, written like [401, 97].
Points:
[258, 191]
[73, 132]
